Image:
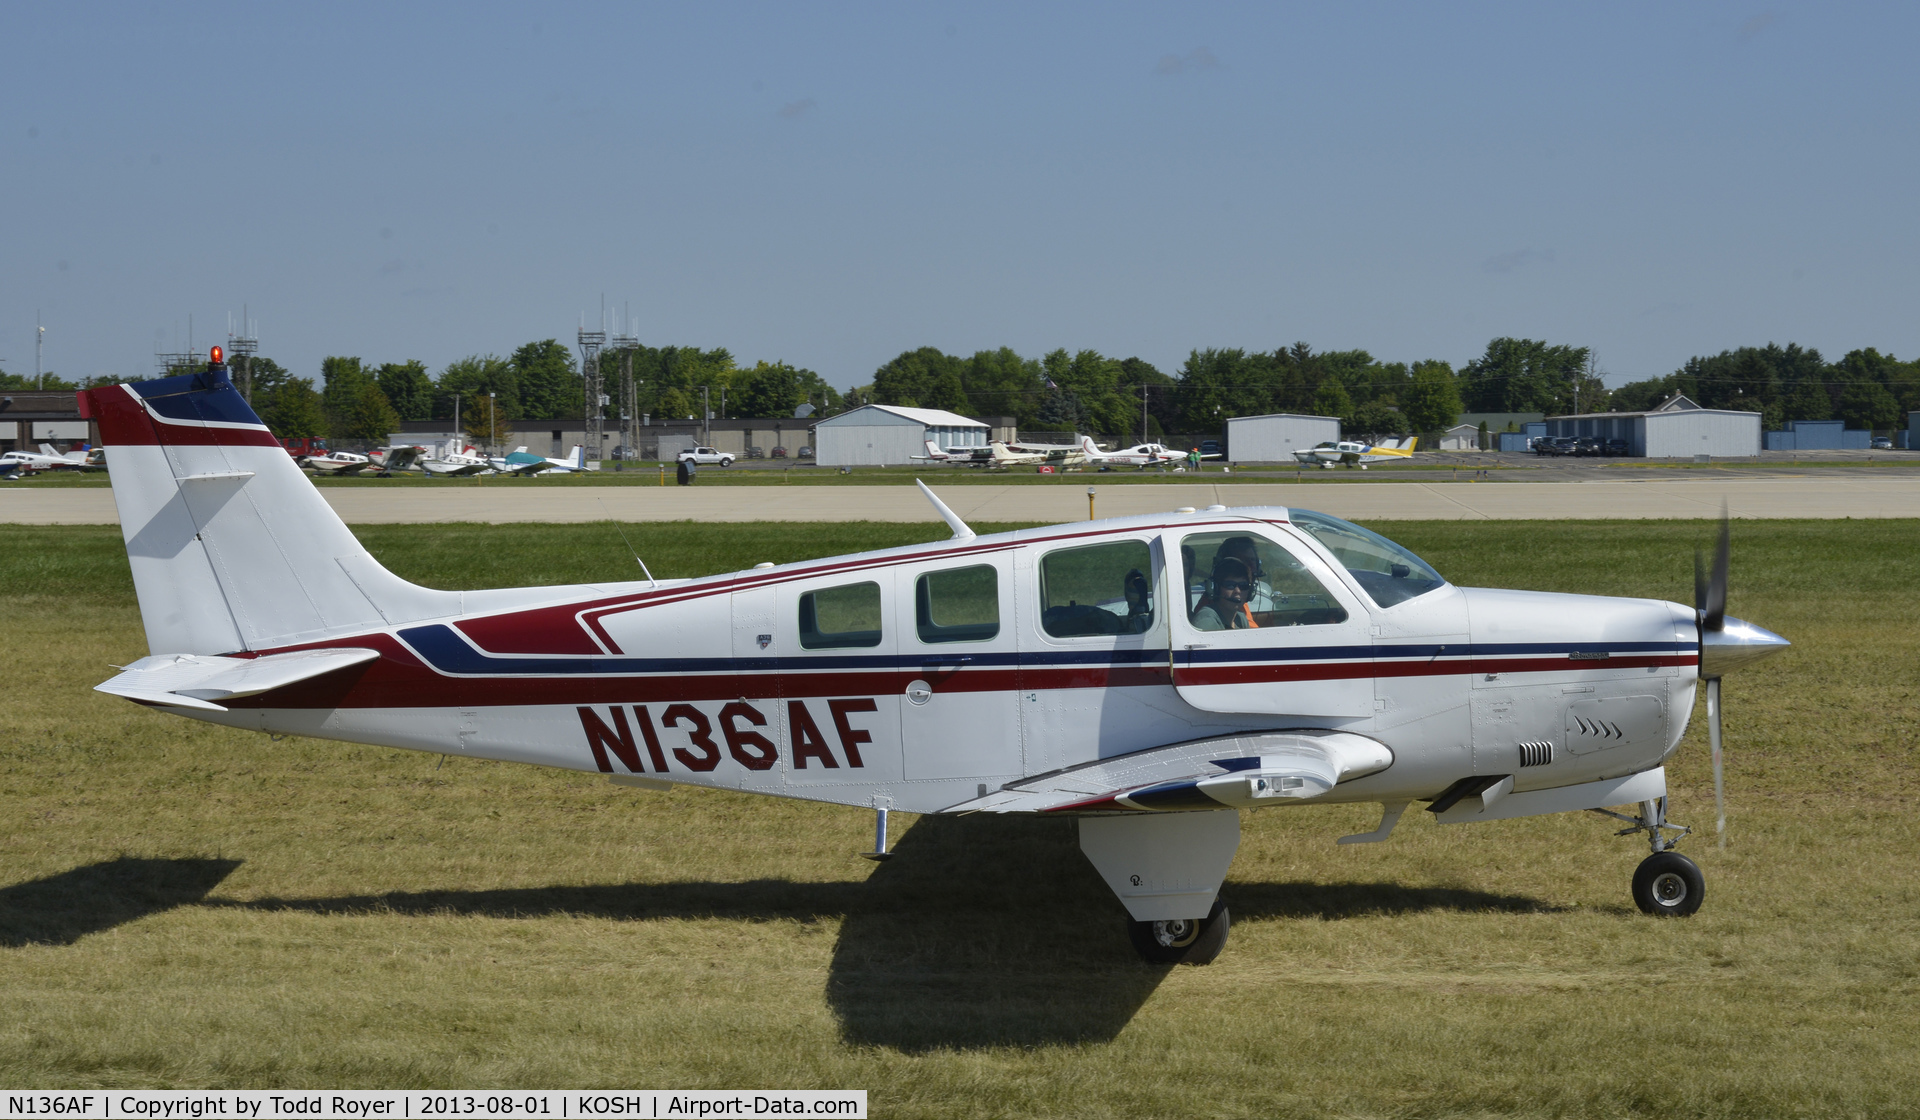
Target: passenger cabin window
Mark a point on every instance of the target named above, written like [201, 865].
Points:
[846, 617]
[1243, 581]
[958, 605]
[1099, 589]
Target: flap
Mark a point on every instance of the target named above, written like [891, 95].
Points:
[195, 680]
[1234, 771]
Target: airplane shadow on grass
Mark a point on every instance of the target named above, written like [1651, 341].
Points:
[61, 909]
[981, 931]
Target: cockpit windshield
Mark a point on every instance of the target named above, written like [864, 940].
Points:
[1389, 573]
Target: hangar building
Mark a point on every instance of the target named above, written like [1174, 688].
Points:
[1274, 439]
[1819, 435]
[1678, 428]
[882, 434]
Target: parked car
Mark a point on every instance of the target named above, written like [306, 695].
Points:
[755, 453]
[1588, 445]
[779, 452]
[705, 457]
[1618, 447]
[1209, 447]
[1554, 445]
[1882, 443]
[804, 453]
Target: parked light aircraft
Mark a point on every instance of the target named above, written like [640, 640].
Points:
[1061, 670]
[1140, 455]
[49, 459]
[1352, 453]
[453, 463]
[521, 461]
[1035, 455]
[340, 463]
[969, 456]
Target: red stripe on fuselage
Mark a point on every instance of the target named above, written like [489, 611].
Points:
[400, 680]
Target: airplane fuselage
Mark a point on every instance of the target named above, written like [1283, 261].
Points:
[712, 682]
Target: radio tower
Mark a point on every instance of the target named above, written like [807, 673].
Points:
[244, 346]
[627, 343]
[590, 344]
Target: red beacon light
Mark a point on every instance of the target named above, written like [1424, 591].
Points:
[218, 357]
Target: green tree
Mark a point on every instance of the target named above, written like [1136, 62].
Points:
[1431, 402]
[471, 379]
[1378, 419]
[923, 378]
[548, 380]
[343, 380]
[1332, 399]
[292, 409]
[49, 382]
[372, 416]
[1869, 405]
[1525, 375]
[768, 389]
[488, 421]
[257, 375]
[408, 387]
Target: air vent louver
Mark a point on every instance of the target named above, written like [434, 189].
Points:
[1536, 754]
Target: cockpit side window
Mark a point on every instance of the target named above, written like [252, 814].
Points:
[1389, 573]
[1098, 589]
[1243, 581]
[844, 617]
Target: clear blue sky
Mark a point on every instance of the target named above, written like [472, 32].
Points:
[832, 184]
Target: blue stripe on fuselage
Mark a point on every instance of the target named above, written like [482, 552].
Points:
[448, 652]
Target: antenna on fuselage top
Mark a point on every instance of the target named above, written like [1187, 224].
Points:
[623, 540]
[960, 530]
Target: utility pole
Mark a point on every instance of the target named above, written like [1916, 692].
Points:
[458, 436]
[493, 420]
[706, 416]
[39, 343]
[1143, 412]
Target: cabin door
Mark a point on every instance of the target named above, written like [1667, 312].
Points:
[1266, 628]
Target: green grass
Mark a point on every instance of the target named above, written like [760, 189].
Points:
[185, 905]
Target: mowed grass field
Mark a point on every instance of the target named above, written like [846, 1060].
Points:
[185, 905]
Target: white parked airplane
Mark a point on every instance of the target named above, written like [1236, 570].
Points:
[1060, 670]
[1352, 453]
[522, 461]
[453, 463]
[1139, 455]
[340, 463]
[49, 459]
[968, 456]
[1035, 455]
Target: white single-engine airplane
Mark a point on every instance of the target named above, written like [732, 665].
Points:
[1035, 455]
[1066, 670]
[958, 456]
[1140, 455]
[1351, 453]
[49, 459]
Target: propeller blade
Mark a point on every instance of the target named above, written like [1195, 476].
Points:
[1699, 581]
[1719, 775]
[1714, 607]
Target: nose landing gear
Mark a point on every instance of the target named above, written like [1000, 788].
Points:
[1666, 884]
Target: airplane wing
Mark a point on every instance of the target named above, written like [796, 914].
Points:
[1235, 771]
[197, 681]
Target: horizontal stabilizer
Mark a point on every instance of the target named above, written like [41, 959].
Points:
[199, 681]
[1234, 771]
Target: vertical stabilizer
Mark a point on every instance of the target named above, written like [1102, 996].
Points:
[231, 546]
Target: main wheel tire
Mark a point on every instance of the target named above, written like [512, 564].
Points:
[1668, 885]
[1183, 940]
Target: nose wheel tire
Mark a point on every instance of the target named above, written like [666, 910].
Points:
[1182, 940]
[1668, 885]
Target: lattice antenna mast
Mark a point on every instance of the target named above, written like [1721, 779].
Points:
[244, 346]
[596, 396]
[626, 343]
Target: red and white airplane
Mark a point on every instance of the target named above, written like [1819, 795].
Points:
[1153, 676]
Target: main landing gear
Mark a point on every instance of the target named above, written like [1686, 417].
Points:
[1182, 940]
[1666, 884]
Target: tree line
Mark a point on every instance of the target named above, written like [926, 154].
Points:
[1081, 391]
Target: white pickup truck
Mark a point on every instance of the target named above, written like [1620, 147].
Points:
[705, 457]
